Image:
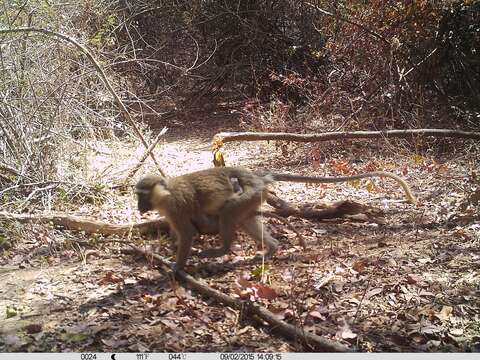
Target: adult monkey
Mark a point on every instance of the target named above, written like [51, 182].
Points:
[195, 200]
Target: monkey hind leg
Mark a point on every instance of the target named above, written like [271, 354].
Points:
[254, 228]
[234, 212]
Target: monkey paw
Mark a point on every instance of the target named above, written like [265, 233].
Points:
[212, 253]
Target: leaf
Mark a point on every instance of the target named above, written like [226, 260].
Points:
[456, 332]
[430, 329]
[111, 278]
[373, 292]
[169, 324]
[218, 159]
[245, 330]
[348, 334]
[324, 280]
[316, 314]
[372, 188]
[344, 332]
[10, 312]
[259, 271]
[264, 292]
[355, 183]
[130, 281]
[445, 313]
[413, 278]
[426, 311]
[425, 261]
[341, 166]
[418, 159]
[359, 266]
[147, 298]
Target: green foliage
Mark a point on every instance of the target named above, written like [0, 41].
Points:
[260, 271]
[104, 34]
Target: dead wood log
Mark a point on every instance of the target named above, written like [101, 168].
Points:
[311, 341]
[91, 226]
[318, 211]
[225, 137]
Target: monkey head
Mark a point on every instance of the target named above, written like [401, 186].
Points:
[145, 190]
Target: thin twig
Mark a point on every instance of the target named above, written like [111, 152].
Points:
[341, 18]
[145, 155]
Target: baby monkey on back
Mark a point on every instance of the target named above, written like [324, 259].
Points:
[193, 202]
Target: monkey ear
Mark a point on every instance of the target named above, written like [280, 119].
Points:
[159, 190]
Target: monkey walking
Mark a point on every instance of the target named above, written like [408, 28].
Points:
[193, 202]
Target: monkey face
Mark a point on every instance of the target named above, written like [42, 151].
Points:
[144, 203]
[145, 189]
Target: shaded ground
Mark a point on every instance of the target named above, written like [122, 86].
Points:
[408, 281]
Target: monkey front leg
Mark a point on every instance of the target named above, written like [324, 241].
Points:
[253, 227]
[184, 233]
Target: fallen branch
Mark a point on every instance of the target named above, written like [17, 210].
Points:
[318, 211]
[311, 341]
[89, 226]
[225, 137]
[285, 222]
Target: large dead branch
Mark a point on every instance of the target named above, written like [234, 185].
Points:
[318, 211]
[311, 341]
[281, 209]
[103, 76]
[225, 137]
[89, 226]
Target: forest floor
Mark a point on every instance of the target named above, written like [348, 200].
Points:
[404, 280]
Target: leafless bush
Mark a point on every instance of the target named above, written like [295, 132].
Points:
[52, 105]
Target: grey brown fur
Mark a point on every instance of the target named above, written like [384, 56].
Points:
[193, 202]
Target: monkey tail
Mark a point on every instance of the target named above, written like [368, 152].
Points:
[337, 179]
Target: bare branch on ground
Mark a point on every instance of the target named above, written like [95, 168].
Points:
[311, 341]
[225, 137]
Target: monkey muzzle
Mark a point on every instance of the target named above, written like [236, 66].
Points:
[144, 204]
